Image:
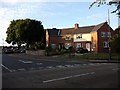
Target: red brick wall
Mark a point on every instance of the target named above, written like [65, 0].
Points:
[53, 40]
[104, 28]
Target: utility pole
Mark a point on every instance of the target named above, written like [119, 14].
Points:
[109, 35]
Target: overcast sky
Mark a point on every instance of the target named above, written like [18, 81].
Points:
[54, 13]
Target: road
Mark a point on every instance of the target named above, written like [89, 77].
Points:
[23, 73]
[14, 64]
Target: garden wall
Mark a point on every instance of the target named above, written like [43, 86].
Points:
[38, 52]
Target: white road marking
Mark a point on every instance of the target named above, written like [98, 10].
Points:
[39, 63]
[32, 68]
[49, 67]
[69, 65]
[84, 64]
[6, 68]
[22, 69]
[76, 64]
[14, 70]
[47, 81]
[60, 66]
[115, 69]
[27, 62]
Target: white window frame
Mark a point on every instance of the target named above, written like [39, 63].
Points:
[108, 34]
[68, 37]
[78, 36]
[106, 44]
[103, 34]
[78, 45]
[67, 45]
[94, 44]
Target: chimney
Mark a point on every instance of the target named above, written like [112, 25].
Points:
[76, 26]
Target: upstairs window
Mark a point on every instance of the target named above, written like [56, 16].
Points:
[68, 37]
[103, 34]
[79, 36]
[108, 34]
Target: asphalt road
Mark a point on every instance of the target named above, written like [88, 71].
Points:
[58, 74]
[14, 64]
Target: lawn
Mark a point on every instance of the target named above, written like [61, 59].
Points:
[99, 56]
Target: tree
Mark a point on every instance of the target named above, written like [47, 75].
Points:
[26, 31]
[104, 2]
[11, 34]
[116, 40]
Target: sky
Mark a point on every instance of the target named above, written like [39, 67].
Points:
[54, 13]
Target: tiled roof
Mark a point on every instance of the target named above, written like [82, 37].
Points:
[86, 29]
[68, 31]
[97, 27]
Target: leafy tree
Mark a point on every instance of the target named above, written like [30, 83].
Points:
[116, 40]
[25, 31]
[11, 34]
[104, 2]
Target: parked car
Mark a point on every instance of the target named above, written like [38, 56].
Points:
[7, 51]
[19, 50]
[82, 50]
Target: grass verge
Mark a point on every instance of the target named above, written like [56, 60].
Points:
[99, 56]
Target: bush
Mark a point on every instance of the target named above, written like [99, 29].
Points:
[47, 50]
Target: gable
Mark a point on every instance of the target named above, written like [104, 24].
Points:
[53, 32]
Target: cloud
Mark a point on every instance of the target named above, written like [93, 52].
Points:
[21, 11]
[9, 13]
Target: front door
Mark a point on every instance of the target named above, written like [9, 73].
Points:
[88, 46]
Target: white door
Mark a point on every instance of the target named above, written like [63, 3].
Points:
[88, 46]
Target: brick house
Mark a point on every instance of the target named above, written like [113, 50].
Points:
[95, 38]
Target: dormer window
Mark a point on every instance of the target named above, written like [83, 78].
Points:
[79, 36]
[68, 37]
